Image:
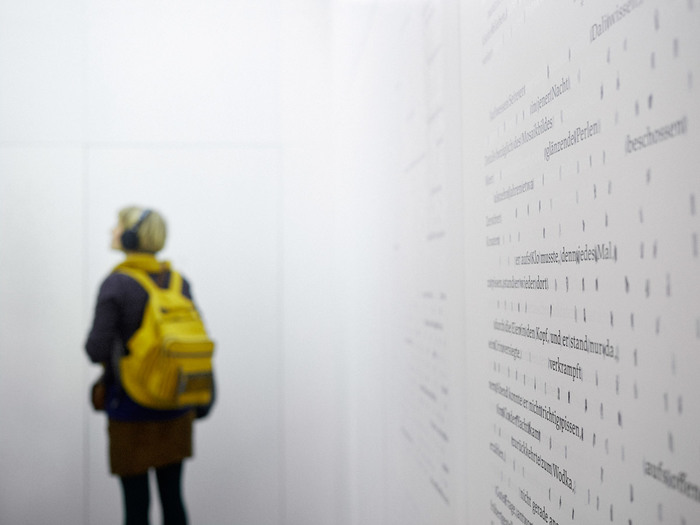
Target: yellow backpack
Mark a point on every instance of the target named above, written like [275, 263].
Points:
[169, 364]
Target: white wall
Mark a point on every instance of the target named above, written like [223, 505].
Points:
[432, 440]
[193, 109]
[626, 69]
[311, 386]
[402, 257]
[41, 263]
[41, 326]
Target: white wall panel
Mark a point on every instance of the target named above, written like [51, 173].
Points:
[41, 53]
[313, 378]
[182, 71]
[400, 199]
[42, 394]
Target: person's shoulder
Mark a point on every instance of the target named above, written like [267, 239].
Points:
[115, 279]
[117, 283]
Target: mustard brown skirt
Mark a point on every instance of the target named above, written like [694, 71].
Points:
[136, 446]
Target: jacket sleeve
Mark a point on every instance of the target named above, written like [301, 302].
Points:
[105, 325]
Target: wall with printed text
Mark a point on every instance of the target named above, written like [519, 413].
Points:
[558, 385]
[584, 184]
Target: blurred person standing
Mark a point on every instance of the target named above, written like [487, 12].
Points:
[141, 438]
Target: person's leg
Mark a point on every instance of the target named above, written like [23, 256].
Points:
[170, 490]
[136, 499]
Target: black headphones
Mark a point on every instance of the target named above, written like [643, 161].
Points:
[130, 238]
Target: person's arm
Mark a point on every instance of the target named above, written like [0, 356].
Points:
[105, 328]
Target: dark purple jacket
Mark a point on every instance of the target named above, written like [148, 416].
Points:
[121, 302]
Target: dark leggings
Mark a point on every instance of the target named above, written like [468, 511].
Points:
[137, 496]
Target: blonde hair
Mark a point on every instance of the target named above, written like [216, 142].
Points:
[152, 231]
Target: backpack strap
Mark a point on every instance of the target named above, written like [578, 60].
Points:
[175, 281]
[144, 279]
